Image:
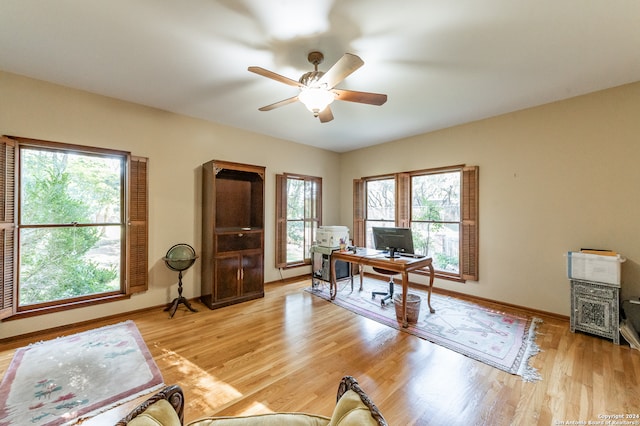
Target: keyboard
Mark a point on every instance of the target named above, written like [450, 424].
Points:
[415, 256]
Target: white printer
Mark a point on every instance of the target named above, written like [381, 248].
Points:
[332, 236]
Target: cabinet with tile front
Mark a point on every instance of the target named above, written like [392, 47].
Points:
[595, 308]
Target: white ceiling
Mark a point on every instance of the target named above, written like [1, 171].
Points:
[441, 63]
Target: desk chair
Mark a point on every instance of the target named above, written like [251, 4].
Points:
[389, 294]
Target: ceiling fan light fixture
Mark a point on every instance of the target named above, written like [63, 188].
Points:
[318, 89]
[316, 99]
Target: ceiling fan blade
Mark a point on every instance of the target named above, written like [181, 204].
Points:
[341, 69]
[278, 104]
[274, 76]
[325, 115]
[360, 97]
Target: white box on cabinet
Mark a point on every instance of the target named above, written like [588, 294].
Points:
[594, 267]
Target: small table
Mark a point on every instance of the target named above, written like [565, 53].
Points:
[402, 265]
[595, 308]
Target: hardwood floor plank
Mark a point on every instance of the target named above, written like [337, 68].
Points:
[289, 350]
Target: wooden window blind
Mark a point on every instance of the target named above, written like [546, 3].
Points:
[359, 213]
[281, 221]
[403, 200]
[137, 239]
[7, 227]
[469, 237]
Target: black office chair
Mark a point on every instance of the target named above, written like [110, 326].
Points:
[386, 295]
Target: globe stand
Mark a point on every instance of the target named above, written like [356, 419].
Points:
[180, 258]
[173, 306]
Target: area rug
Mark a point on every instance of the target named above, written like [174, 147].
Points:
[501, 340]
[63, 380]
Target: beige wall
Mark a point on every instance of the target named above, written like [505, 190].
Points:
[176, 147]
[552, 179]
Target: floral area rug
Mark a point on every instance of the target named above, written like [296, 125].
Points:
[63, 380]
[501, 340]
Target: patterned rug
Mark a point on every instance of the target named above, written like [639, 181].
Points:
[63, 380]
[501, 340]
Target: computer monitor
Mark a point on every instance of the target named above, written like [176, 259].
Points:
[395, 240]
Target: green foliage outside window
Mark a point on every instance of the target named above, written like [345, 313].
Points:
[381, 206]
[295, 220]
[302, 217]
[70, 226]
[435, 216]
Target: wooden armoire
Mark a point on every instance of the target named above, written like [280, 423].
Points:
[232, 258]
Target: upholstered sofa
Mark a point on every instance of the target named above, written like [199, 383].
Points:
[353, 407]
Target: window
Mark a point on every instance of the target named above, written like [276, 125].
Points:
[435, 218]
[381, 206]
[70, 224]
[76, 228]
[440, 206]
[298, 215]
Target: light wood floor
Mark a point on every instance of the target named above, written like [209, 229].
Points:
[288, 351]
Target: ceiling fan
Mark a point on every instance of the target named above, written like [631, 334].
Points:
[317, 88]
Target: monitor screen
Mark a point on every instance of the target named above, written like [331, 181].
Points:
[395, 240]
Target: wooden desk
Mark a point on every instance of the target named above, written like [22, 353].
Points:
[401, 265]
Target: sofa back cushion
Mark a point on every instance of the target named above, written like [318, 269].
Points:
[351, 411]
[159, 413]
[270, 419]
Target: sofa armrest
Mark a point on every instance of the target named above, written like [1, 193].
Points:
[172, 394]
[350, 383]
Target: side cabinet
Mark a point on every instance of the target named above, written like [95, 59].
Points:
[238, 277]
[595, 309]
[232, 233]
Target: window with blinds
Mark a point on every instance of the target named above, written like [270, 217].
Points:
[298, 216]
[439, 205]
[81, 232]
